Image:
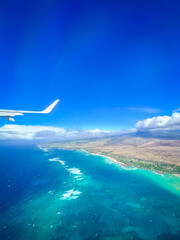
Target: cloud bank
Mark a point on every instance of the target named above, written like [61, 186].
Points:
[49, 133]
[30, 132]
[160, 123]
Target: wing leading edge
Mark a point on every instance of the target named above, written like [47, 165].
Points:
[9, 114]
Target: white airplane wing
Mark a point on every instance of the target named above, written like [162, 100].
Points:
[8, 114]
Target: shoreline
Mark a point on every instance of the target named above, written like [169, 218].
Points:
[113, 159]
[116, 161]
[125, 165]
[101, 155]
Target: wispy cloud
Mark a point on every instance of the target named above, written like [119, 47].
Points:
[145, 109]
[160, 122]
[177, 110]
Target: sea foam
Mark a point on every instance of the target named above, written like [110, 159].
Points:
[43, 148]
[56, 159]
[78, 175]
[71, 194]
[74, 171]
[128, 168]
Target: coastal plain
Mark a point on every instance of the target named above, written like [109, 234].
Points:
[161, 155]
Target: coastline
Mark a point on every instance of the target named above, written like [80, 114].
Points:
[113, 159]
[99, 154]
[138, 163]
[125, 165]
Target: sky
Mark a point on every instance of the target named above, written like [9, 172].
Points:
[113, 64]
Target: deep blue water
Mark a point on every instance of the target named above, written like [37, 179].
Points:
[60, 194]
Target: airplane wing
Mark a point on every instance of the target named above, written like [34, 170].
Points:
[9, 114]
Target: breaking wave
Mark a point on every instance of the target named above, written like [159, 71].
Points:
[43, 148]
[71, 194]
[56, 159]
[74, 171]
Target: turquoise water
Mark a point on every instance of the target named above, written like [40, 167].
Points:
[59, 194]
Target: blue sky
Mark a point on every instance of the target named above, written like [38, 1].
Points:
[111, 63]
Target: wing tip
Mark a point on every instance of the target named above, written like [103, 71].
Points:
[50, 108]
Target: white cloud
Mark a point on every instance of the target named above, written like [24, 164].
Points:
[160, 122]
[30, 132]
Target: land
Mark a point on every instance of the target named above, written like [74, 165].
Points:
[161, 155]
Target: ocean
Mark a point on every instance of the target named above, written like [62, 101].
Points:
[48, 194]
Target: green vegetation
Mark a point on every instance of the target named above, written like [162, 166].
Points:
[143, 164]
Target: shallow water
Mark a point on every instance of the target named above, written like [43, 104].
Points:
[59, 194]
